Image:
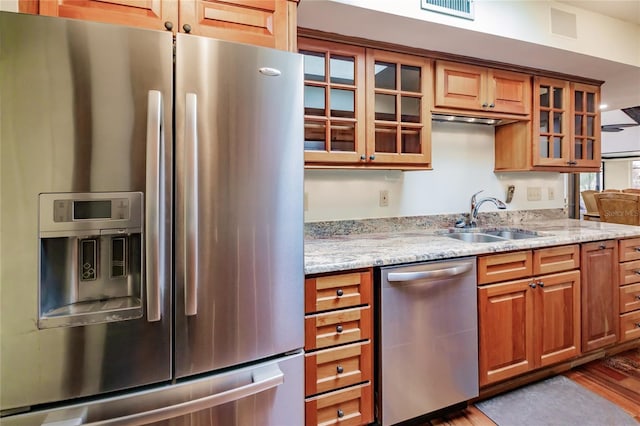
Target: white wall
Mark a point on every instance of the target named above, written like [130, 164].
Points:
[9, 5]
[617, 174]
[463, 160]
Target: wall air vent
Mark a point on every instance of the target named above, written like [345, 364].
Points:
[460, 8]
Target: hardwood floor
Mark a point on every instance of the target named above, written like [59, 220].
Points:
[615, 378]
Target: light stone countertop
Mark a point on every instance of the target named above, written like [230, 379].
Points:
[345, 252]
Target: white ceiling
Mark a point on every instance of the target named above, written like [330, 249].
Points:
[622, 81]
[626, 10]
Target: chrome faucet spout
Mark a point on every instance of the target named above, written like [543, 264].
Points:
[475, 206]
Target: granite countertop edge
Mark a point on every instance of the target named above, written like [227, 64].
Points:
[347, 252]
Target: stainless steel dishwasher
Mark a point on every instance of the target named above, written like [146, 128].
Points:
[428, 338]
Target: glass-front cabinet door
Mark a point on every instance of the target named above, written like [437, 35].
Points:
[398, 109]
[551, 125]
[585, 102]
[334, 102]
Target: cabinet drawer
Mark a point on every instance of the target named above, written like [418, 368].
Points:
[629, 249]
[630, 326]
[337, 327]
[629, 298]
[556, 259]
[350, 406]
[339, 367]
[630, 272]
[337, 291]
[504, 267]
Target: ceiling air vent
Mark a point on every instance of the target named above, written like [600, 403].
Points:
[460, 8]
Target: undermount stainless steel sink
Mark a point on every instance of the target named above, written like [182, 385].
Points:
[491, 235]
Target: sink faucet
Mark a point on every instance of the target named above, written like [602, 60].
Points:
[475, 206]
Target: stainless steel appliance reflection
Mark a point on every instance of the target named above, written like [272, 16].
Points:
[98, 199]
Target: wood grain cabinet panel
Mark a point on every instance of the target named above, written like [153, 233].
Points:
[629, 249]
[629, 272]
[600, 296]
[629, 290]
[630, 326]
[629, 298]
[502, 267]
[532, 322]
[339, 348]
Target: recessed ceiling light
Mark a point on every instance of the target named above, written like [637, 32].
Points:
[604, 106]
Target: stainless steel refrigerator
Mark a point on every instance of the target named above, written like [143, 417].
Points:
[151, 239]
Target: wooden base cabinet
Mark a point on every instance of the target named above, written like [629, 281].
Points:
[600, 296]
[530, 322]
[629, 288]
[338, 345]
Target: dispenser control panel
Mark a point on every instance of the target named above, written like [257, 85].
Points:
[64, 214]
[73, 210]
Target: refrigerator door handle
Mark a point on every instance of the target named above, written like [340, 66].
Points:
[154, 209]
[264, 378]
[191, 206]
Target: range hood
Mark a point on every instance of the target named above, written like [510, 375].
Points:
[466, 119]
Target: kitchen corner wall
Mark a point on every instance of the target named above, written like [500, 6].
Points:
[463, 160]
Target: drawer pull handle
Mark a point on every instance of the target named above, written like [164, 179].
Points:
[339, 369]
[636, 248]
[637, 296]
[339, 329]
[339, 292]
[340, 413]
[637, 324]
[637, 272]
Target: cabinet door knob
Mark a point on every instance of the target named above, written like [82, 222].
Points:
[492, 106]
[532, 285]
[339, 329]
[484, 105]
[340, 413]
[339, 292]
[363, 157]
[339, 369]
[186, 28]
[168, 25]
[602, 247]
[372, 157]
[541, 283]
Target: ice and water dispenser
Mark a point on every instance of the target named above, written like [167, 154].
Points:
[91, 258]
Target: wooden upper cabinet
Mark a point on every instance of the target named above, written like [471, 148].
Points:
[259, 22]
[551, 123]
[270, 23]
[334, 102]
[474, 88]
[142, 13]
[398, 109]
[585, 127]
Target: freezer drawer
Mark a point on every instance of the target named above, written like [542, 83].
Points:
[268, 393]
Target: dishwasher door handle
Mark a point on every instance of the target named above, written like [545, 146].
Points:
[432, 274]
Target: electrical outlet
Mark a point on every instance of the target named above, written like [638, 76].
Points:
[551, 195]
[306, 201]
[384, 198]
[534, 193]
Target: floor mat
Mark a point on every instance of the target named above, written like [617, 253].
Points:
[555, 401]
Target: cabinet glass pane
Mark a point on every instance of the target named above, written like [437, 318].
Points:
[385, 75]
[410, 141]
[343, 137]
[557, 122]
[385, 107]
[410, 109]
[544, 121]
[314, 135]
[557, 147]
[342, 69]
[578, 125]
[579, 100]
[314, 100]
[342, 103]
[544, 146]
[591, 102]
[557, 97]
[590, 126]
[590, 153]
[410, 78]
[385, 139]
[313, 66]
[578, 148]
[544, 96]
